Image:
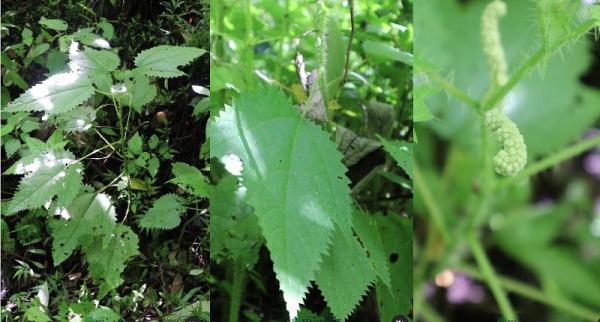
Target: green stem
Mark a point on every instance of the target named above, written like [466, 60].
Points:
[430, 203]
[450, 88]
[532, 62]
[555, 159]
[490, 277]
[349, 49]
[550, 299]
[237, 288]
[430, 315]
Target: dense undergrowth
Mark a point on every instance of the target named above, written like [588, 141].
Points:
[104, 205]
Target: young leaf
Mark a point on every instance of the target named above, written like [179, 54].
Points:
[333, 60]
[57, 94]
[135, 144]
[163, 61]
[384, 52]
[90, 215]
[190, 179]
[295, 179]
[164, 214]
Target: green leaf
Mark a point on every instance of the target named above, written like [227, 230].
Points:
[50, 177]
[108, 31]
[27, 36]
[334, 60]
[344, 274]
[190, 179]
[164, 214]
[295, 179]
[78, 120]
[396, 233]
[57, 94]
[163, 61]
[402, 152]
[90, 215]
[366, 228]
[235, 233]
[93, 60]
[36, 312]
[102, 314]
[139, 93]
[55, 24]
[135, 144]
[106, 260]
[38, 50]
[383, 52]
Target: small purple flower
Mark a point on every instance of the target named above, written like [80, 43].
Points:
[592, 163]
[464, 290]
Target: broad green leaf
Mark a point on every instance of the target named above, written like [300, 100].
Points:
[93, 60]
[38, 50]
[421, 112]
[295, 179]
[384, 52]
[334, 60]
[235, 233]
[57, 94]
[106, 260]
[396, 233]
[164, 214]
[163, 61]
[55, 24]
[50, 177]
[89, 215]
[366, 228]
[11, 77]
[402, 152]
[190, 179]
[345, 274]
[37, 312]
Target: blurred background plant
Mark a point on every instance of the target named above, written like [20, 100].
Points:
[487, 246]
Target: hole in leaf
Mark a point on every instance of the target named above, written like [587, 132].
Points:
[393, 258]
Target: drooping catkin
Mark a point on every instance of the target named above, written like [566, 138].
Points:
[512, 157]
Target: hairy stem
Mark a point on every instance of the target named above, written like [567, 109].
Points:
[537, 295]
[490, 277]
[237, 288]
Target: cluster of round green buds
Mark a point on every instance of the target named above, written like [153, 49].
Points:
[492, 45]
[512, 157]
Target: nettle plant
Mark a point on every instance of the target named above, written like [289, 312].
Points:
[79, 216]
[545, 134]
[285, 187]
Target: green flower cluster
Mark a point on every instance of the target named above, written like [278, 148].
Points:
[512, 157]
